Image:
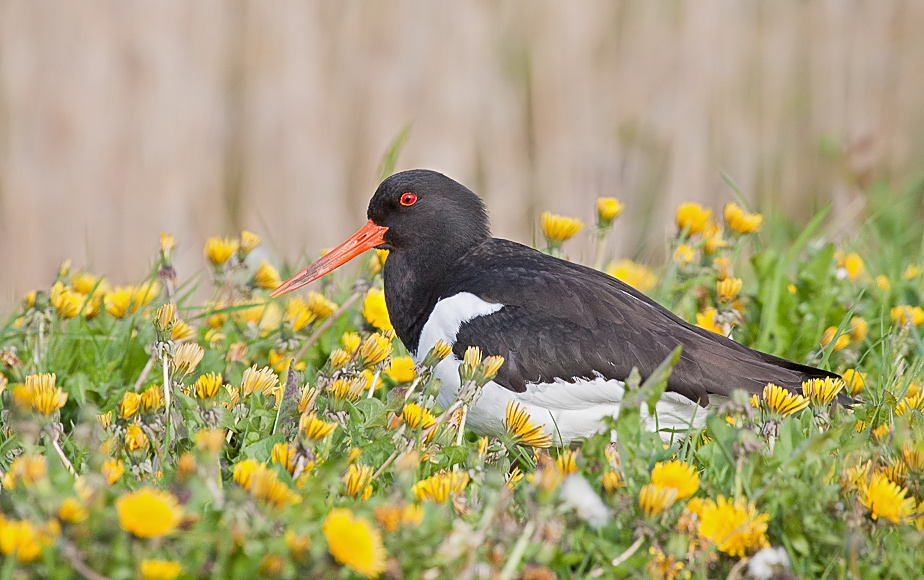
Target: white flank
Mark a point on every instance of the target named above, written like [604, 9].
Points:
[568, 410]
[448, 315]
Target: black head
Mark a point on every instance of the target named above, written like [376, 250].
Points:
[424, 210]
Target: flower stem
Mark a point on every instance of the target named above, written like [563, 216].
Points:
[167, 400]
[64, 460]
[519, 549]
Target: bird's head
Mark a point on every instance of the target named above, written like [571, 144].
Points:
[412, 212]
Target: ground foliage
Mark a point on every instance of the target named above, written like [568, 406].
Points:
[335, 460]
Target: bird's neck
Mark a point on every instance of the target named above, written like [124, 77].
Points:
[414, 282]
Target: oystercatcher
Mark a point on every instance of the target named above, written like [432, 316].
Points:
[570, 335]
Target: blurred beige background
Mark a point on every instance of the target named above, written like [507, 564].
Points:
[120, 119]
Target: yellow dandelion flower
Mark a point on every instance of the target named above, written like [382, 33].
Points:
[249, 242]
[727, 290]
[186, 466]
[911, 272]
[152, 399]
[781, 402]
[558, 228]
[347, 389]
[909, 402]
[855, 381]
[24, 539]
[881, 431]
[125, 300]
[885, 499]
[654, 499]
[207, 386]
[858, 329]
[677, 475]
[25, 469]
[896, 471]
[136, 441]
[821, 391]
[375, 311]
[338, 359]
[86, 283]
[706, 319]
[112, 470]
[307, 398]
[438, 488]
[723, 267]
[165, 316]
[354, 543]
[842, 341]
[375, 348]
[608, 209]
[167, 242]
[187, 357]
[311, 428]
[883, 283]
[566, 463]
[417, 417]
[182, 331]
[663, 566]
[149, 512]
[401, 369]
[284, 455]
[735, 527]
[72, 511]
[712, 238]
[265, 485]
[636, 275]
[854, 477]
[320, 306]
[254, 379]
[438, 352]
[521, 429]
[104, 419]
[298, 545]
[684, 254]
[129, 405]
[351, 341]
[392, 517]
[852, 266]
[219, 250]
[514, 477]
[211, 440]
[611, 482]
[298, 314]
[160, 569]
[905, 315]
[914, 389]
[40, 394]
[357, 480]
[65, 300]
[243, 472]
[266, 276]
[693, 217]
[913, 456]
[741, 221]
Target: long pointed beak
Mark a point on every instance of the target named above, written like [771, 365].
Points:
[369, 236]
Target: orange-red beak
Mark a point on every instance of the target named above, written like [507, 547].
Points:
[369, 236]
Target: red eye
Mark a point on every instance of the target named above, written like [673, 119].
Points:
[408, 199]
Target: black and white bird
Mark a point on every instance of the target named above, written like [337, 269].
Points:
[569, 335]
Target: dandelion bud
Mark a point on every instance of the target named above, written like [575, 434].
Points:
[439, 351]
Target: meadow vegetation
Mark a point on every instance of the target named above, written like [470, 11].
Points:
[150, 434]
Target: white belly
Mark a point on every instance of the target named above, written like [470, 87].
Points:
[568, 411]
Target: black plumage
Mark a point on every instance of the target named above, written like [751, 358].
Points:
[559, 319]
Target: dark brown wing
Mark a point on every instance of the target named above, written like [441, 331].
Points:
[563, 320]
